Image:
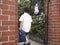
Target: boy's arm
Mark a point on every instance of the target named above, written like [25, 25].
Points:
[30, 26]
[21, 25]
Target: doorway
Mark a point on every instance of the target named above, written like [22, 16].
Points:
[38, 30]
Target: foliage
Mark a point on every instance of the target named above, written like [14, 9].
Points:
[38, 24]
[38, 20]
[21, 6]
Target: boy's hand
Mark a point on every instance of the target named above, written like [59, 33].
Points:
[19, 28]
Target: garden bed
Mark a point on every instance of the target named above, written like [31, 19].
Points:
[36, 38]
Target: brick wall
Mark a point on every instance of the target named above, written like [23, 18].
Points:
[8, 22]
[53, 22]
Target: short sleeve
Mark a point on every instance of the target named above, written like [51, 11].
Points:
[31, 19]
[21, 18]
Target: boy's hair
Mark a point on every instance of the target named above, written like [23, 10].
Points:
[26, 9]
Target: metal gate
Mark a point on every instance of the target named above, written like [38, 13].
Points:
[39, 24]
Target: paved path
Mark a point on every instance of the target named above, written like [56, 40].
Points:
[32, 43]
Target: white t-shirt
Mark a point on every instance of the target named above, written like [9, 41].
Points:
[26, 19]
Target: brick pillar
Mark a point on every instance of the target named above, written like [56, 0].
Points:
[8, 22]
[53, 22]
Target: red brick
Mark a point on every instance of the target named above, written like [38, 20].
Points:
[0, 11]
[9, 23]
[55, 6]
[2, 39]
[12, 37]
[0, 43]
[54, 22]
[9, 33]
[13, 8]
[55, 1]
[0, 23]
[3, 6]
[0, 1]
[10, 43]
[13, 17]
[13, 27]
[2, 28]
[5, 12]
[56, 26]
[13, 0]
[0, 34]
[3, 17]
[10, 2]
[55, 12]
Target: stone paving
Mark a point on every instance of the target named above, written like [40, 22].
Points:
[32, 43]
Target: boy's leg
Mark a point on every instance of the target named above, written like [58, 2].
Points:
[27, 40]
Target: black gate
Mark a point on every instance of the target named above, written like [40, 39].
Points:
[39, 24]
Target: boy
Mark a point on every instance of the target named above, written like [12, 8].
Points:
[25, 23]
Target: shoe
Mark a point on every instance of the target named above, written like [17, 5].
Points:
[24, 44]
[27, 43]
